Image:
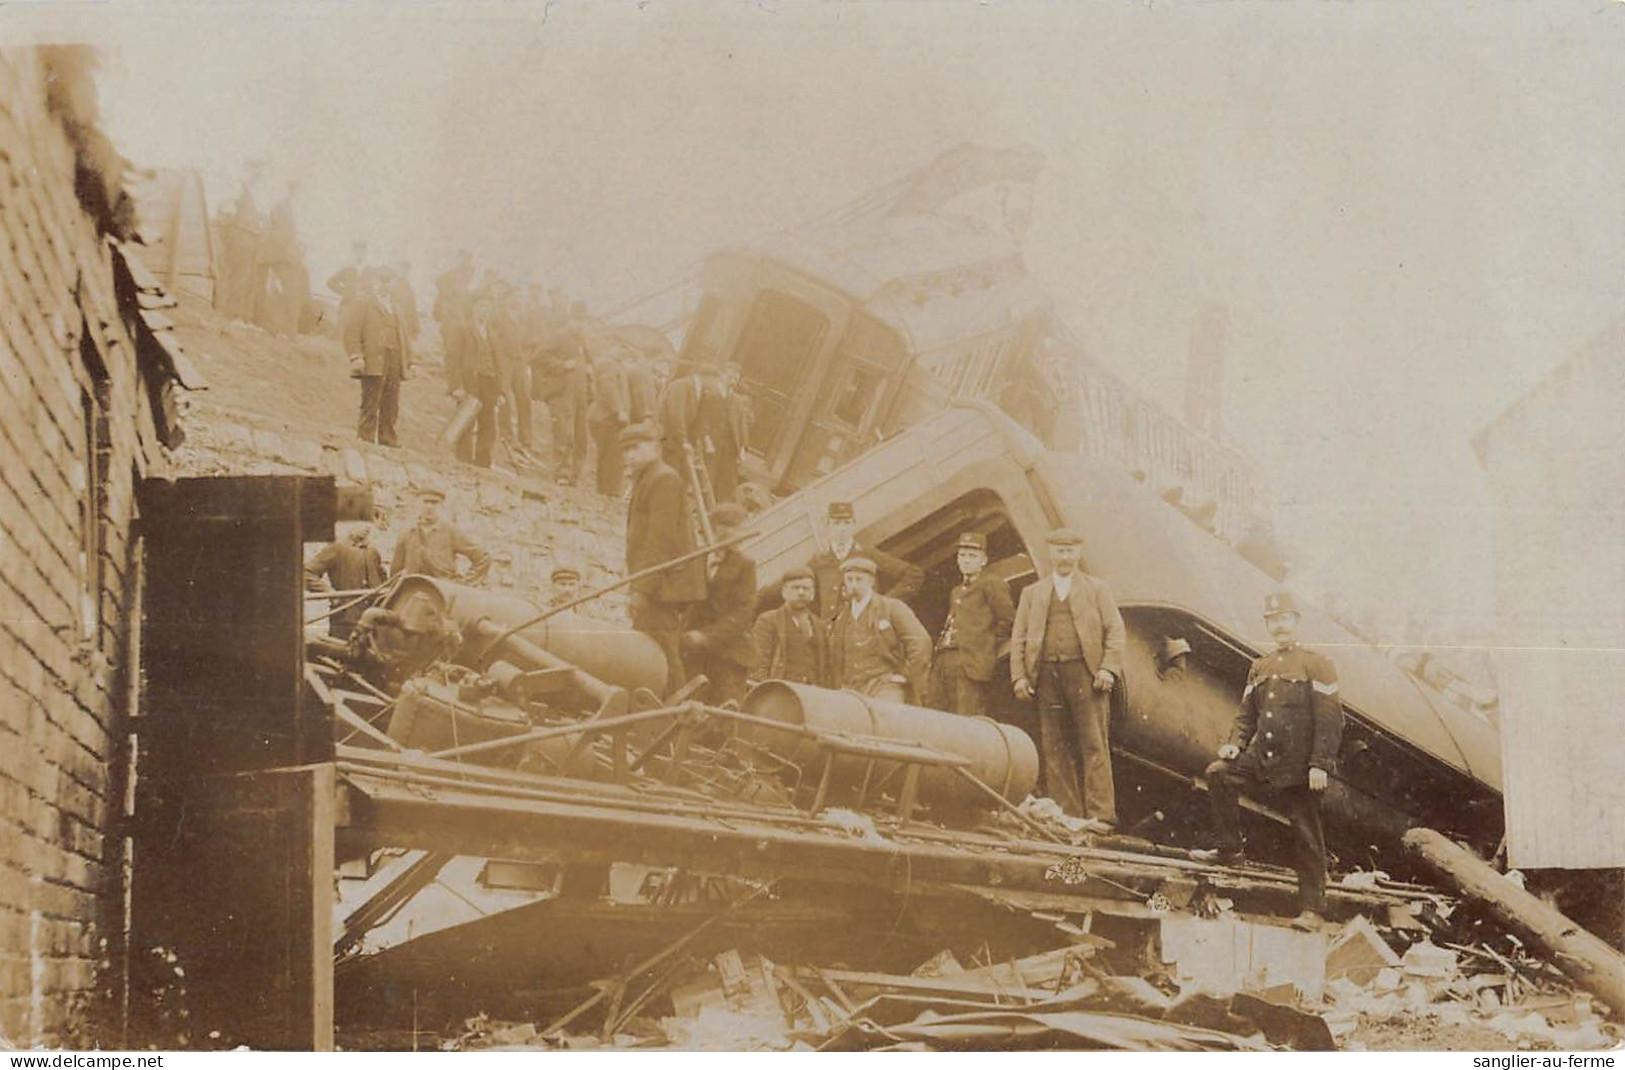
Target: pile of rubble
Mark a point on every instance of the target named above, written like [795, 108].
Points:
[1181, 983]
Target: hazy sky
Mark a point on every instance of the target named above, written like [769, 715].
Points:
[1410, 212]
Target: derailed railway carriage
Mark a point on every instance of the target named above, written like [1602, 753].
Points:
[1409, 755]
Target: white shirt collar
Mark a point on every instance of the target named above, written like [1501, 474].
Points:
[859, 607]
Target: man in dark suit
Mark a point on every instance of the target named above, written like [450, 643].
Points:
[680, 417]
[380, 363]
[723, 414]
[610, 411]
[432, 546]
[642, 388]
[1066, 648]
[895, 577]
[573, 399]
[483, 370]
[719, 642]
[791, 643]
[980, 614]
[658, 530]
[348, 564]
[454, 312]
[1283, 747]
[877, 646]
[347, 282]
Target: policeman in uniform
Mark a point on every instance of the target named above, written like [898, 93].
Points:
[1283, 747]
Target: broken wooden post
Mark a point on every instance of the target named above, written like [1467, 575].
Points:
[1584, 957]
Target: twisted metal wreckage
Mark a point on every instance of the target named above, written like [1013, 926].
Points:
[854, 837]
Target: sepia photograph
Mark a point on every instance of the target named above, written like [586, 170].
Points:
[812, 525]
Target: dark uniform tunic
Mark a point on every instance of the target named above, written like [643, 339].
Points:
[979, 618]
[1291, 721]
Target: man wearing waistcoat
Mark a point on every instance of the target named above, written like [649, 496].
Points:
[1282, 747]
[877, 646]
[1066, 649]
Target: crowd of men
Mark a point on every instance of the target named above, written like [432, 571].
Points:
[528, 354]
[844, 619]
[263, 279]
[845, 622]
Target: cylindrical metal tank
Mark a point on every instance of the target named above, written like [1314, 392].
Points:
[1001, 756]
[618, 656]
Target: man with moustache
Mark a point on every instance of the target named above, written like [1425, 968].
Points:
[1282, 748]
[1066, 650]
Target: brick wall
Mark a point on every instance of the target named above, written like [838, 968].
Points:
[76, 431]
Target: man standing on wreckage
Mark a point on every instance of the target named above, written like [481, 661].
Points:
[1066, 650]
[1283, 747]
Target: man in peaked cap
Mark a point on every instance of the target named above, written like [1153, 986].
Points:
[791, 640]
[1284, 747]
[564, 585]
[877, 646]
[720, 642]
[980, 614]
[658, 530]
[1066, 650]
[895, 577]
[432, 546]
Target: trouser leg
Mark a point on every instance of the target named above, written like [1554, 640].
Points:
[1225, 782]
[606, 436]
[389, 409]
[578, 446]
[1302, 806]
[727, 681]
[372, 392]
[485, 423]
[521, 406]
[662, 622]
[1092, 712]
[1057, 742]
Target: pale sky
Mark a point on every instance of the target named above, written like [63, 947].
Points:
[1410, 212]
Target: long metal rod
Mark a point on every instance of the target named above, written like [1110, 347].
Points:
[371, 593]
[593, 595]
[728, 816]
[1006, 804]
[557, 732]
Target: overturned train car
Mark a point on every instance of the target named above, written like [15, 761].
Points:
[1409, 755]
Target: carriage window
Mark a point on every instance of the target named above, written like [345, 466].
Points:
[858, 396]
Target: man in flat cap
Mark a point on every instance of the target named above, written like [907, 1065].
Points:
[720, 642]
[563, 585]
[791, 641]
[1283, 747]
[877, 646]
[432, 546]
[658, 530]
[896, 578]
[980, 614]
[1066, 649]
[348, 564]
